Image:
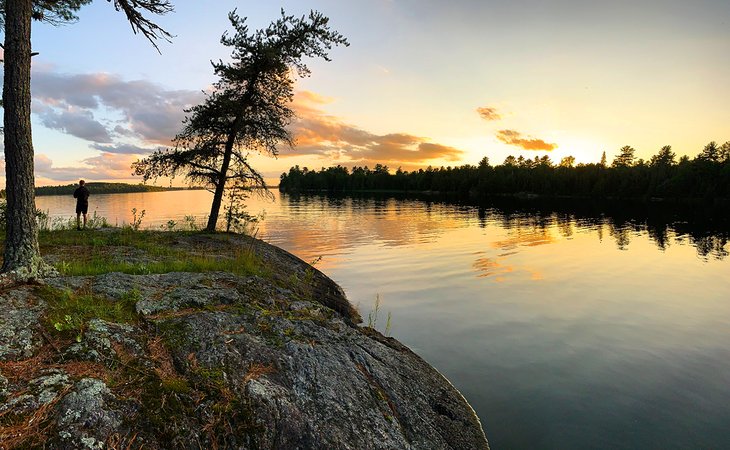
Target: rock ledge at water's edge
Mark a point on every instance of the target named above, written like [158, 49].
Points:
[216, 360]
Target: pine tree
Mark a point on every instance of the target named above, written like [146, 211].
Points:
[665, 157]
[249, 108]
[567, 161]
[711, 152]
[625, 158]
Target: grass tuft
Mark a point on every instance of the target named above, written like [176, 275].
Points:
[69, 313]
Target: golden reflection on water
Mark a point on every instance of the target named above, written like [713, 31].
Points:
[492, 267]
[525, 238]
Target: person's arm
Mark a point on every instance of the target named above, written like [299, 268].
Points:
[76, 193]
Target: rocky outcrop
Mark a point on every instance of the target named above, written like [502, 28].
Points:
[215, 360]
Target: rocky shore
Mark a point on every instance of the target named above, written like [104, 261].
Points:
[275, 359]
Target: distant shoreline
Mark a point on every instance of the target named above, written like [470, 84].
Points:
[98, 188]
[515, 195]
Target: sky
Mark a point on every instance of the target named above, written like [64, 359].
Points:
[424, 82]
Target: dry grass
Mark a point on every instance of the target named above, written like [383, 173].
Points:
[85, 369]
[31, 431]
[165, 315]
[29, 368]
[164, 367]
[257, 370]
[118, 442]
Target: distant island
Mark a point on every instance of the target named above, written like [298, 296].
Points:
[106, 188]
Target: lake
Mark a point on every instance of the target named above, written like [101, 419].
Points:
[570, 327]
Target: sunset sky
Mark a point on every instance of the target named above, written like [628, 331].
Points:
[423, 83]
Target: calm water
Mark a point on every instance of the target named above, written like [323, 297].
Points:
[563, 329]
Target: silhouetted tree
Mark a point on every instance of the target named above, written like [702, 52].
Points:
[725, 152]
[484, 162]
[664, 158]
[567, 161]
[544, 161]
[625, 158]
[711, 152]
[21, 244]
[249, 108]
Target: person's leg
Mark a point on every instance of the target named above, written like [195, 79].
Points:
[84, 220]
[78, 220]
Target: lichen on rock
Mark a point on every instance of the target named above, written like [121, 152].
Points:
[18, 316]
[3, 388]
[221, 360]
[88, 416]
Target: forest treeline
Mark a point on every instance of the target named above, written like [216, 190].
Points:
[102, 188]
[663, 175]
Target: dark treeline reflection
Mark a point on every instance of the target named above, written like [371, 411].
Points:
[697, 224]
[706, 176]
[703, 226]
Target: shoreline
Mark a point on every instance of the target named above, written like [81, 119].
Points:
[516, 195]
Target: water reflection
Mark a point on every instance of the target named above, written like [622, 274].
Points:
[403, 222]
[705, 227]
[340, 223]
[488, 267]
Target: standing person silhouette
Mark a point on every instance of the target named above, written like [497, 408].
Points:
[81, 194]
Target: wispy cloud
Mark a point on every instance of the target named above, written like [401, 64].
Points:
[129, 149]
[318, 133]
[516, 138]
[489, 113]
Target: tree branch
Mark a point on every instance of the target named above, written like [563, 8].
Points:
[141, 24]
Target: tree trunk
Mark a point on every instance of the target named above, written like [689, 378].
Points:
[227, 154]
[21, 242]
[221, 186]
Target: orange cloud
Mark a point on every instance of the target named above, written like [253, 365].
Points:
[513, 137]
[489, 113]
[304, 97]
[318, 133]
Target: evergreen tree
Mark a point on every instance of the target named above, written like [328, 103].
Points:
[567, 161]
[665, 157]
[725, 152]
[249, 108]
[711, 152]
[625, 158]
